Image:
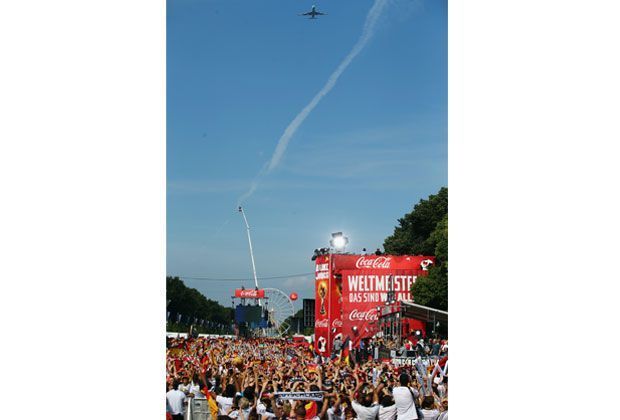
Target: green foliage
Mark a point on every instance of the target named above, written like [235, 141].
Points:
[190, 302]
[432, 290]
[293, 320]
[413, 235]
[439, 238]
[424, 231]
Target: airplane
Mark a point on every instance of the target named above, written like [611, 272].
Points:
[312, 13]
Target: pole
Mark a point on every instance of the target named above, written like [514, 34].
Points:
[250, 242]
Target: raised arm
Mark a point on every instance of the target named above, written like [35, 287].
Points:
[376, 393]
[319, 373]
[256, 387]
[358, 386]
[323, 409]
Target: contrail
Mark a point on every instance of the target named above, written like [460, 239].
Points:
[368, 31]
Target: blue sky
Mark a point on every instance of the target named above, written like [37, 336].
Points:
[238, 72]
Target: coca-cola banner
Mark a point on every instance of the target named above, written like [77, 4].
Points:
[383, 262]
[328, 305]
[364, 291]
[250, 293]
[322, 340]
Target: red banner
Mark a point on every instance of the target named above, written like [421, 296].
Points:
[365, 292]
[250, 293]
[322, 338]
[382, 262]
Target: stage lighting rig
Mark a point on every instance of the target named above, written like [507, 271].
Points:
[338, 241]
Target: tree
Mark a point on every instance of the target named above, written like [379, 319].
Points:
[424, 231]
[413, 234]
[293, 321]
[192, 304]
[432, 290]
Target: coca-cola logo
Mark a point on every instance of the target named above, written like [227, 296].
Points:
[378, 262]
[425, 264]
[248, 293]
[321, 323]
[337, 323]
[356, 315]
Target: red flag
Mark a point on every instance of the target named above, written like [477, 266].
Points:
[311, 409]
[443, 361]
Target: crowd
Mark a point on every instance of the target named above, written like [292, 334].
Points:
[263, 378]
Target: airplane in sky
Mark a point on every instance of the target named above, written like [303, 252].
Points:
[312, 13]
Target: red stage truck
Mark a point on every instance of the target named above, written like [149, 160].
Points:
[350, 290]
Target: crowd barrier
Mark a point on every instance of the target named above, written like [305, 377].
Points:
[197, 409]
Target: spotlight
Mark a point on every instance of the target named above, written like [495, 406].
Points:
[338, 241]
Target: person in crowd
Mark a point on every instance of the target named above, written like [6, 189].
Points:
[175, 399]
[337, 345]
[436, 348]
[421, 348]
[226, 401]
[444, 349]
[428, 409]
[335, 411]
[443, 409]
[365, 399]
[184, 386]
[242, 378]
[405, 398]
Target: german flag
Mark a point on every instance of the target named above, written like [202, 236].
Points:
[345, 356]
[312, 409]
[345, 353]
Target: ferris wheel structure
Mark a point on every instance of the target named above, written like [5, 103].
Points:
[280, 310]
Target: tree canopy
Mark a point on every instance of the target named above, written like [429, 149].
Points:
[424, 231]
[191, 303]
[297, 320]
[413, 235]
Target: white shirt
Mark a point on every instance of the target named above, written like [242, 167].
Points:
[261, 410]
[405, 405]
[331, 415]
[442, 390]
[387, 413]
[195, 389]
[365, 413]
[430, 414]
[225, 404]
[175, 400]
[238, 413]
